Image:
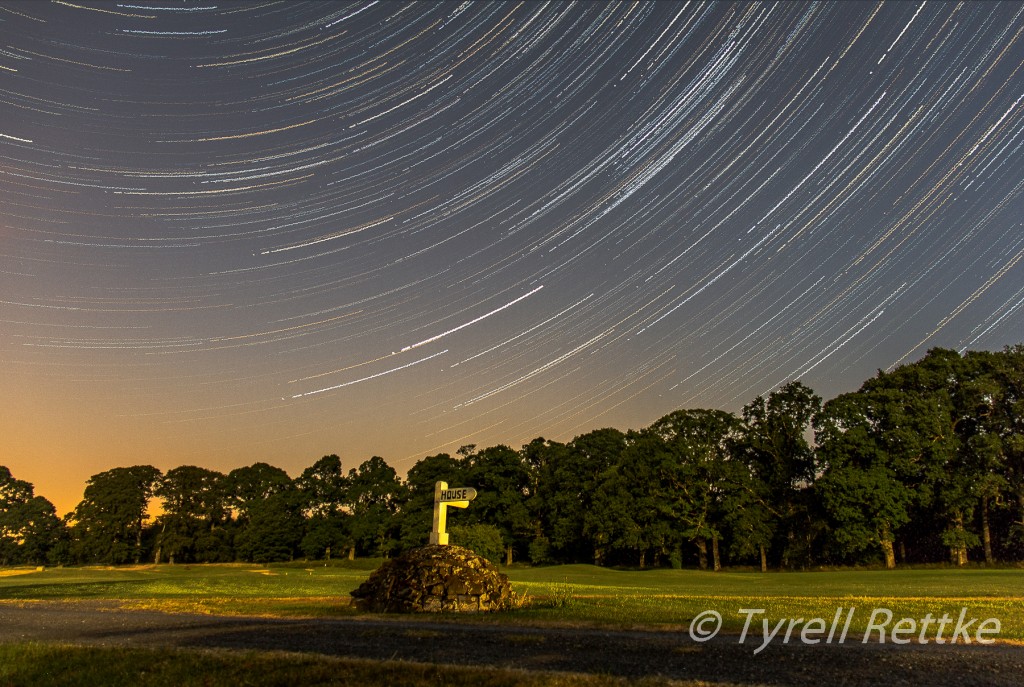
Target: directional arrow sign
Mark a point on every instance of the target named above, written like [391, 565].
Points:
[446, 497]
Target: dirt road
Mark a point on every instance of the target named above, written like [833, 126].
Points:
[622, 653]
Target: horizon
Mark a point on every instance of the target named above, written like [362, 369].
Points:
[268, 233]
[155, 507]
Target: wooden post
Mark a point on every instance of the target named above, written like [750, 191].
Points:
[438, 534]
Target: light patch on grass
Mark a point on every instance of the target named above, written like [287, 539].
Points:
[295, 607]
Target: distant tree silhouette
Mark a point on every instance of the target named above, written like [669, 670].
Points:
[194, 526]
[321, 489]
[30, 531]
[109, 521]
[924, 462]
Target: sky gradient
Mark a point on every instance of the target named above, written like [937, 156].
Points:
[239, 232]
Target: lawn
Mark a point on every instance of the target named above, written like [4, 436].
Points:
[54, 665]
[572, 594]
[675, 597]
[293, 589]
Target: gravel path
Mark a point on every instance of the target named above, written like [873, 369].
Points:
[622, 653]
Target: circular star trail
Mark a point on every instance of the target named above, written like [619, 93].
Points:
[233, 232]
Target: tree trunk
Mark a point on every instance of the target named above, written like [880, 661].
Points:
[903, 552]
[885, 539]
[717, 561]
[643, 558]
[890, 554]
[702, 553]
[764, 558]
[958, 555]
[959, 550]
[1020, 504]
[986, 532]
[137, 558]
[352, 553]
[508, 555]
[159, 546]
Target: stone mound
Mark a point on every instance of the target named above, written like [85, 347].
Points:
[434, 579]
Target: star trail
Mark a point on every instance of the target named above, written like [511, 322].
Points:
[266, 231]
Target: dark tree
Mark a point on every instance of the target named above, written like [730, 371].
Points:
[948, 497]
[322, 489]
[273, 529]
[374, 496]
[636, 508]
[781, 463]
[323, 486]
[194, 526]
[269, 517]
[30, 531]
[253, 484]
[549, 499]
[982, 459]
[109, 521]
[14, 494]
[584, 468]
[698, 474]
[503, 484]
[870, 445]
[1007, 423]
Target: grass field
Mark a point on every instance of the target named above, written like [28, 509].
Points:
[573, 594]
[47, 665]
[280, 590]
[675, 597]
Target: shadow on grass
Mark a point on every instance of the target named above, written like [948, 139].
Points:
[449, 641]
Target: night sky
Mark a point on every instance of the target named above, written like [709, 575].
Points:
[268, 231]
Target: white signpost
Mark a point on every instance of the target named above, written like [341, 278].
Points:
[456, 497]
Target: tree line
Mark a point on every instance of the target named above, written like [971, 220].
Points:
[924, 463]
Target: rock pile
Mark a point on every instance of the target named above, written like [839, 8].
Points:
[433, 579]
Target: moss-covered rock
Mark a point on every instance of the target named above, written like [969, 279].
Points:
[435, 579]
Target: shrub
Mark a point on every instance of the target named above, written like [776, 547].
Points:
[484, 540]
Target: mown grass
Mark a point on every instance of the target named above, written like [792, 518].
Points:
[56, 665]
[576, 595]
[307, 590]
[563, 595]
[673, 598]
